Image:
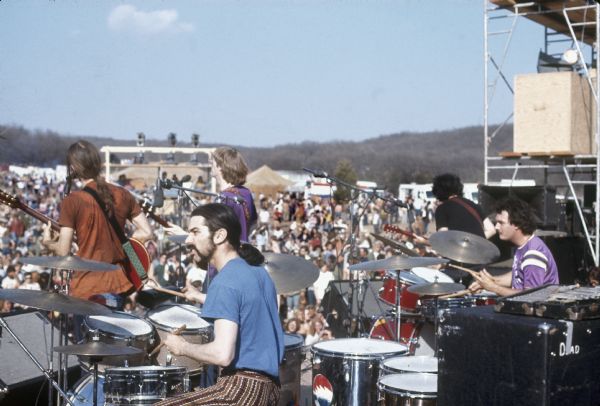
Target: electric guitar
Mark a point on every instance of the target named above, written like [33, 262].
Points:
[138, 247]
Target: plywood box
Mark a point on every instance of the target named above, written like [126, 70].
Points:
[553, 113]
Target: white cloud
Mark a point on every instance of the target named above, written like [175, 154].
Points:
[128, 18]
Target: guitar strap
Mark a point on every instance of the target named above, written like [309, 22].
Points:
[469, 208]
[125, 243]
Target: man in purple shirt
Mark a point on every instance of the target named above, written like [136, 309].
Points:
[533, 264]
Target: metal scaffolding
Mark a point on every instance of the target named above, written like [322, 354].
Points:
[568, 24]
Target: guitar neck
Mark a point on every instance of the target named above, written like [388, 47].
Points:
[39, 216]
[149, 210]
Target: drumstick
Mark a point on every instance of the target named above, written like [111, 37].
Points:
[159, 346]
[169, 292]
[456, 294]
[472, 272]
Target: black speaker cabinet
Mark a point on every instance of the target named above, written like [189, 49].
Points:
[542, 199]
[494, 359]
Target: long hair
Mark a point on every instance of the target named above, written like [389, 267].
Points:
[217, 216]
[232, 164]
[446, 185]
[83, 161]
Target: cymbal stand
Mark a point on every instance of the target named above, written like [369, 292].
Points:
[398, 306]
[46, 372]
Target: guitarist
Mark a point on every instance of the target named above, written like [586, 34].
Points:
[82, 216]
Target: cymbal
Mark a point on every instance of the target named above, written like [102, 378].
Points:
[396, 244]
[70, 263]
[435, 289]
[290, 273]
[178, 239]
[97, 349]
[464, 247]
[52, 301]
[393, 263]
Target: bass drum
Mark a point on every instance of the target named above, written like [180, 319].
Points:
[83, 391]
[290, 370]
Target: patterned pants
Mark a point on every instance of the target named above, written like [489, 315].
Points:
[244, 388]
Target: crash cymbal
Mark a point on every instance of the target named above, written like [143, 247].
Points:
[396, 245]
[393, 263]
[70, 263]
[97, 349]
[178, 239]
[435, 289]
[290, 273]
[464, 247]
[52, 301]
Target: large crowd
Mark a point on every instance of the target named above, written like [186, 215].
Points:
[316, 229]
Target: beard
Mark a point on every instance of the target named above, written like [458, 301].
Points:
[202, 260]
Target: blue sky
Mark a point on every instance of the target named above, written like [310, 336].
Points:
[254, 73]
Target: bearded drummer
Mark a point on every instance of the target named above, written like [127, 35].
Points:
[533, 263]
[241, 300]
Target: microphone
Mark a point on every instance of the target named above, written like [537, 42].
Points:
[316, 173]
[159, 196]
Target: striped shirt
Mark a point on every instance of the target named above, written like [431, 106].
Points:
[533, 265]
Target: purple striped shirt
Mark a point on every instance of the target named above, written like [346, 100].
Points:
[533, 265]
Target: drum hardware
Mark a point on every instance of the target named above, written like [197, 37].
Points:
[464, 247]
[95, 351]
[159, 346]
[290, 273]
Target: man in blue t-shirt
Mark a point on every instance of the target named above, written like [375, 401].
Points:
[241, 301]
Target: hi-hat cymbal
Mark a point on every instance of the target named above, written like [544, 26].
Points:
[435, 289]
[464, 247]
[52, 301]
[396, 245]
[70, 263]
[178, 239]
[290, 273]
[97, 349]
[392, 263]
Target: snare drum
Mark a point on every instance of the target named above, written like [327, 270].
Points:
[432, 275]
[411, 389]
[408, 300]
[345, 371]
[417, 363]
[144, 385]
[120, 328]
[168, 318]
[83, 391]
[290, 370]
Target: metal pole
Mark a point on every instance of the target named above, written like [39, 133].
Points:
[597, 138]
[485, 92]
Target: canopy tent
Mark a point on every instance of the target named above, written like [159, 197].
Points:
[266, 181]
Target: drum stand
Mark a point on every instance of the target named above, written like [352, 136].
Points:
[95, 361]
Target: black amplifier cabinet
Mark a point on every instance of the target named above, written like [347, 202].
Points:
[493, 359]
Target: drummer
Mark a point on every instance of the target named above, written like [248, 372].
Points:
[241, 300]
[533, 263]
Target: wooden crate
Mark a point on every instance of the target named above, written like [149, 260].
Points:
[553, 112]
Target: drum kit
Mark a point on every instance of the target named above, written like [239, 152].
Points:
[393, 364]
[121, 354]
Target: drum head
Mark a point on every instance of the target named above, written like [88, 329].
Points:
[420, 363]
[145, 370]
[119, 324]
[171, 317]
[292, 341]
[430, 275]
[411, 384]
[361, 347]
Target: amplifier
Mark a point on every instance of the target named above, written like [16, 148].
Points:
[493, 359]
